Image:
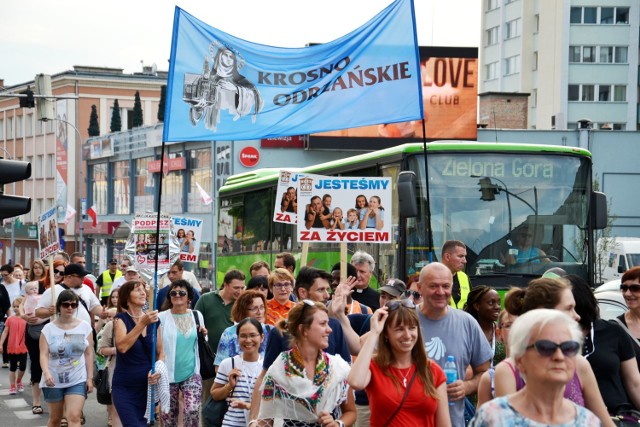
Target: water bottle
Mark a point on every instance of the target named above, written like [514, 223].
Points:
[450, 371]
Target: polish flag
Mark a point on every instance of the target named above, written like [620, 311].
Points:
[93, 214]
[70, 214]
[206, 199]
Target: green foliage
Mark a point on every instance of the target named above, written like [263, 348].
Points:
[137, 119]
[161, 104]
[116, 121]
[94, 127]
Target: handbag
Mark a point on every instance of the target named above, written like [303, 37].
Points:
[406, 393]
[213, 410]
[626, 416]
[207, 369]
[102, 386]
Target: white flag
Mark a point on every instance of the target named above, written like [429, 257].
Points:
[206, 199]
[70, 213]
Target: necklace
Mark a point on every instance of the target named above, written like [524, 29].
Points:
[404, 377]
[135, 317]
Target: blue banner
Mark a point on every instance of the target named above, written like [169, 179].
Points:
[221, 87]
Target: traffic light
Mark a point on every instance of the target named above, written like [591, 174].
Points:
[13, 171]
[44, 112]
[488, 190]
[28, 101]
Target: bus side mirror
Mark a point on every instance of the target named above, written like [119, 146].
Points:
[598, 210]
[407, 194]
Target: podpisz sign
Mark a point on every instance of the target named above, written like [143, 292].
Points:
[249, 156]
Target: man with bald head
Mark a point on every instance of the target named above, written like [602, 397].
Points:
[448, 331]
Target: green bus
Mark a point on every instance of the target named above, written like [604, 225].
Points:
[482, 194]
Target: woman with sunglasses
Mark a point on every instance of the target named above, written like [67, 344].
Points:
[609, 351]
[133, 336]
[58, 271]
[306, 386]
[550, 293]
[66, 357]
[630, 289]
[237, 374]
[544, 345]
[250, 304]
[404, 387]
[179, 335]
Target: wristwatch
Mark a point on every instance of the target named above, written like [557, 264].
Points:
[340, 423]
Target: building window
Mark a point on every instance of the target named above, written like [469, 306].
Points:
[121, 187]
[535, 61]
[144, 186]
[575, 15]
[620, 93]
[100, 188]
[38, 172]
[606, 54]
[621, 54]
[28, 131]
[588, 54]
[492, 4]
[588, 93]
[604, 93]
[606, 15]
[512, 29]
[536, 23]
[619, 126]
[590, 15]
[172, 190]
[51, 166]
[534, 98]
[575, 53]
[512, 65]
[492, 36]
[622, 15]
[200, 172]
[10, 128]
[492, 71]
[574, 92]
[1, 128]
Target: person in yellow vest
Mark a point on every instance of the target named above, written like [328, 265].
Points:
[454, 256]
[106, 279]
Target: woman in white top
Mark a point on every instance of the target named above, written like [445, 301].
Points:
[237, 375]
[66, 357]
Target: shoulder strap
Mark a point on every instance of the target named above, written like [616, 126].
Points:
[406, 393]
[195, 316]
[626, 329]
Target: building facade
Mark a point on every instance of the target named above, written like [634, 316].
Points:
[575, 59]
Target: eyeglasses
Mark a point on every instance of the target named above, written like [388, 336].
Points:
[395, 304]
[632, 288]
[413, 294]
[546, 348]
[257, 309]
[60, 272]
[178, 293]
[67, 304]
[282, 285]
[249, 336]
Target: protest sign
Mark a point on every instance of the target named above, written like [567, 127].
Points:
[286, 207]
[188, 231]
[48, 239]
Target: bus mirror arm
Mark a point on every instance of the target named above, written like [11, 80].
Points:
[598, 210]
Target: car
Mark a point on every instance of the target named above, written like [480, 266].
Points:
[611, 304]
[611, 285]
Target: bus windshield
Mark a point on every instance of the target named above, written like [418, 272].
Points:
[517, 213]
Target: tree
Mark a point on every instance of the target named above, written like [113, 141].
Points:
[163, 95]
[94, 127]
[116, 122]
[137, 119]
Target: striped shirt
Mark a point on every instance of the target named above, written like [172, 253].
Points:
[249, 372]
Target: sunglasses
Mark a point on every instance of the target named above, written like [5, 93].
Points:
[632, 288]
[395, 304]
[546, 348]
[60, 272]
[178, 293]
[413, 294]
[68, 304]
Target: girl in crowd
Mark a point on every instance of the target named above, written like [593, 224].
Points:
[66, 357]
[13, 334]
[373, 215]
[404, 387]
[552, 294]
[36, 272]
[306, 386]
[179, 335]
[483, 303]
[133, 331]
[250, 304]
[235, 379]
[544, 345]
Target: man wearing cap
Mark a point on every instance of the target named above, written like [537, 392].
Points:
[130, 273]
[106, 279]
[89, 306]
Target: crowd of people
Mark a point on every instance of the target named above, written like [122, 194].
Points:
[318, 349]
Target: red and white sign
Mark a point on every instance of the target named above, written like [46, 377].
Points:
[170, 164]
[249, 157]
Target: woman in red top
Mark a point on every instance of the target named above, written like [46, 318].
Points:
[404, 387]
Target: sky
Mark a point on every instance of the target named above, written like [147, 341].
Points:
[54, 35]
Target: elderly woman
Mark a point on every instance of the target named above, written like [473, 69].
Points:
[66, 357]
[306, 386]
[250, 304]
[544, 344]
[133, 332]
[555, 294]
[400, 371]
[630, 288]
[280, 284]
[179, 331]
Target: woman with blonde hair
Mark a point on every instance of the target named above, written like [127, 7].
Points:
[281, 283]
[403, 385]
